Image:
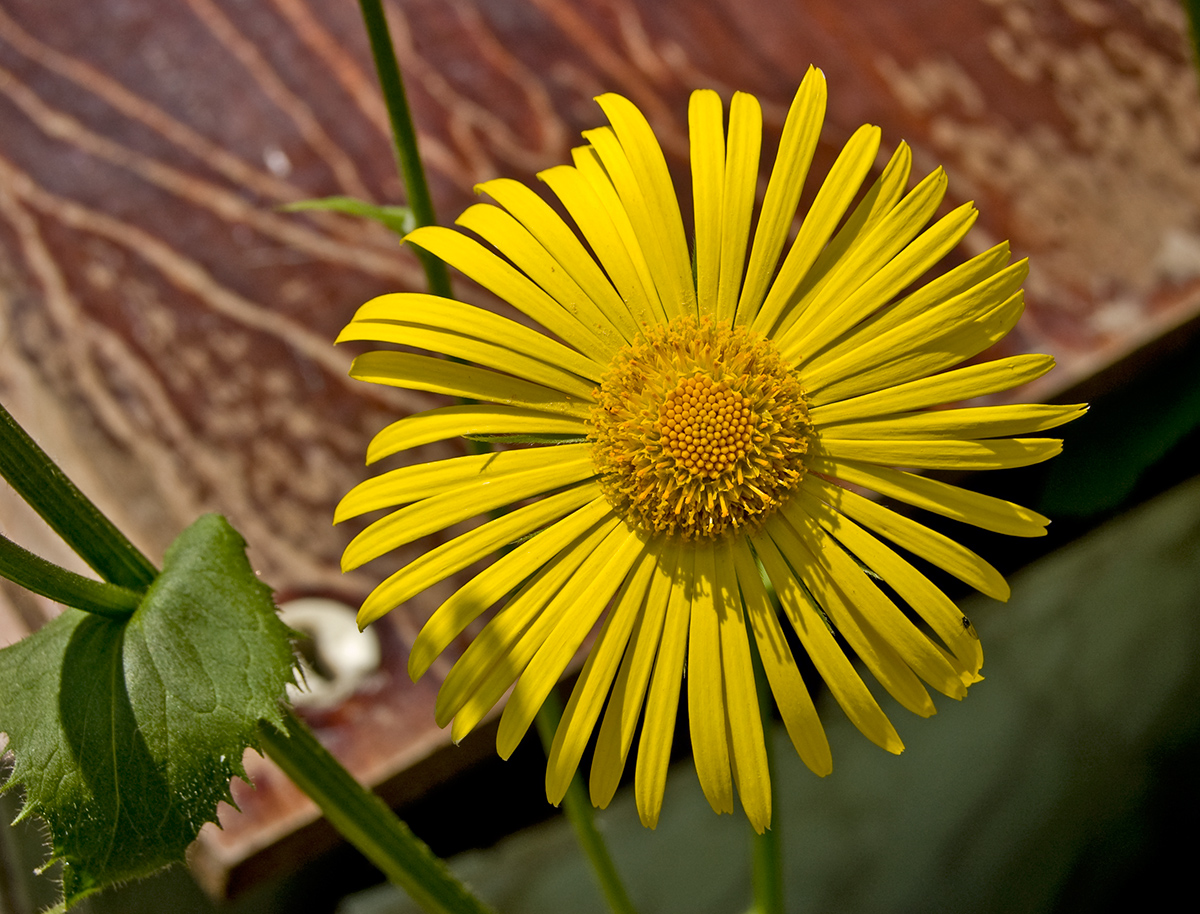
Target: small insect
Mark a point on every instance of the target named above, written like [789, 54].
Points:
[969, 628]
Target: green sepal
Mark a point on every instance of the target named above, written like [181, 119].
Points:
[126, 733]
[399, 219]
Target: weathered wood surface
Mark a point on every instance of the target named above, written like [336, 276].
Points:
[166, 331]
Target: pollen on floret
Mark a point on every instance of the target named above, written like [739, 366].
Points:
[699, 428]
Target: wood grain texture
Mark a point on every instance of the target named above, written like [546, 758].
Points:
[166, 332]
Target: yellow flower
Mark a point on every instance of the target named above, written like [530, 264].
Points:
[702, 425]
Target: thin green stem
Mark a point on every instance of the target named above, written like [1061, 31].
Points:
[70, 514]
[579, 812]
[767, 857]
[404, 136]
[366, 821]
[34, 573]
[1192, 8]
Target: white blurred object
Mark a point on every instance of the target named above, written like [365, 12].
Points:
[340, 657]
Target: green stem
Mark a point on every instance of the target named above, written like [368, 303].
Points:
[1192, 8]
[38, 480]
[366, 821]
[767, 857]
[404, 136]
[579, 812]
[34, 573]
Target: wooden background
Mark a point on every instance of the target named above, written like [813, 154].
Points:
[165, 331]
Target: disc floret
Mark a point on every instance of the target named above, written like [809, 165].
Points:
[699, 428]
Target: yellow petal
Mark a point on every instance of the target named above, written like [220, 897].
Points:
[427, 480]
[939, 497]
[879, 200]
[470, 419]
[629, 692]
[913, 587]
[843, 591]
[500, 652]
[741, 182]
[943, 288]
[878, 272]
[662, 704]
[801, 131]
[706, 134]
[920, 348]
[591, 169]
[582, 600]
[831, 663]
[443, 560]
[944, 454]
[488, 354]
[518, 244]
[705, 684]
[649, 166]
[872, 249]
[958, 345]
[420, 372]
[511, 285]
[415, 308]
[833, 199]
[921, 329]
[947, 387]
[653, 238]
[536, 215]
[748, 755]
[787, 686]
[624, 267]
[971, 422]
[441, 511]
[816, 521]
[484, 590]
[587, 698]
[916, 538]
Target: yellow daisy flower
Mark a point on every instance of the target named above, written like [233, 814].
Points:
[703, 423]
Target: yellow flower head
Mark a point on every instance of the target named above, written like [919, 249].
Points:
[702, 422]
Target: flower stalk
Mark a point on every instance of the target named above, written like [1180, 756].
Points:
[70, 514]
[366, 821]
[391, 81]
[404, 136]
[583, 820]
[34, 573]
[766, 869]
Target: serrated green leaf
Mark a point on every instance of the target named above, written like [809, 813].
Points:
[126, 733]
[399, 219]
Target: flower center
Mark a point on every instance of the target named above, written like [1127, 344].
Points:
[699, 428]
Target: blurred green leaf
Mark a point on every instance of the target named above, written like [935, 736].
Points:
[399, 219]
[126, 733]
[1124, 435]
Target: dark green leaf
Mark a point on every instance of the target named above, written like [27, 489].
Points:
[397, 218]
[126, 732]
[38, 480]
[1125, 435]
